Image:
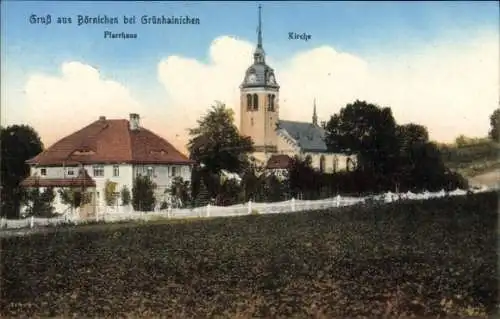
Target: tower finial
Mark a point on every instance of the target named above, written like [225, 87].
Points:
[315, 116]
[259, 39]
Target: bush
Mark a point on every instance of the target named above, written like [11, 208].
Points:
[74, 197]
[39, 203]
[143, 198]
[110, 193]
[125, 195]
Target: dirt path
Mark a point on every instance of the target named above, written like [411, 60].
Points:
[489, 179]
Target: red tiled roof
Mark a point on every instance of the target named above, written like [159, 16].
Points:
[111, 141]
[280, 161]
[83, 179]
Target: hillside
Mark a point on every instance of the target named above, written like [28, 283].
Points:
[475, 159]
[424, 258]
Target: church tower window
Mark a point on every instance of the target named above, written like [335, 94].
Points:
[249, 102]
[270, 105]
[255, 102]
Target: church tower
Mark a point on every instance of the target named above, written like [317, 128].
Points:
[259, 106]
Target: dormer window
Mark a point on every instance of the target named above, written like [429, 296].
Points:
[82, 152]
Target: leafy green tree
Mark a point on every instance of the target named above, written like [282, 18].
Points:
[494, 132]
[39, 203]
[303, 179]
[461, 140]
[74, 197]
[19, 143]
[368, 131]
[143, 197]
[125, 195]
[230, 193]
[180, 190]
[110, 193]
[217, 144]
[202, 197]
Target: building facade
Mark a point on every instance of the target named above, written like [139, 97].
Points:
[109, 150]
[259, 119]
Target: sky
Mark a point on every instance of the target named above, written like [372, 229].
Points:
[432, 63]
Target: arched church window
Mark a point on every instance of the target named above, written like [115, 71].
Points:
[249, 102]
[322, 164]
[335, 164]
[348, 164]
[255, 102]
[270, 105]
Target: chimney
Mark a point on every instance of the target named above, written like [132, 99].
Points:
[134, 121]
[102, 118]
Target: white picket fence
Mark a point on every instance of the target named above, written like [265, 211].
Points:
[121, 213]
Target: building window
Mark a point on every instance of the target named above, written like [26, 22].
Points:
[335, 164]
[174, 171]
[150, 171]
[251, 121]
[249, 102]
[270, 102]
[71, 172]
[43, 171]
[98, 170]
[255, 102]
[322, 164]
[348, 164]
[116, 170]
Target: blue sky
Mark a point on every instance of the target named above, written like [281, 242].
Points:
[371, 30]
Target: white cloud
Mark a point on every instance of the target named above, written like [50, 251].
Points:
[451, 88]
[60, 105]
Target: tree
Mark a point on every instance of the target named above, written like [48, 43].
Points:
[39, 203]
[19, 143]
[143, 197]
[110, 193]
[125, 195]
[74, 197]
[494, 132]
[461, 140]
[179, 190]
[217, 144]
[368, 131]
[202, 197]
[411, 134]
[303, 179]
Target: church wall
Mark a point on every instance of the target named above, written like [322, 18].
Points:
[286, 148]
[341, 160]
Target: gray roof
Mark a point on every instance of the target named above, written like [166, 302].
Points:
[309, 136]
[262, 73]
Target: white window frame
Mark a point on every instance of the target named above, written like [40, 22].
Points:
[116, 170]
[43, 171]
[97, 169]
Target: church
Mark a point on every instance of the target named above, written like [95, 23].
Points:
[276, 140]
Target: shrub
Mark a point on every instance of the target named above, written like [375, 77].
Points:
[125, 195]
[143, 198]
[39, 203]
[74, 197]
[110, 193]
